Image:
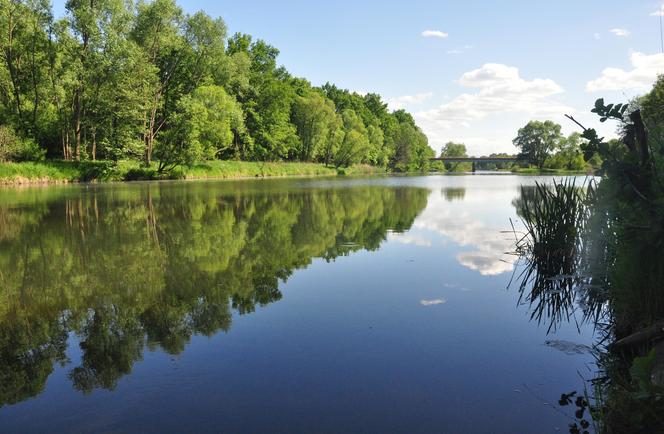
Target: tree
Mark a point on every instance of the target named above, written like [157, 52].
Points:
[568, 154]
[158, 31]
[24, 56]
[452, 149]
[355, 142]
[410, 148]
[537, 140]
[315, 119]
[112, 78]
[15, 148]
[207, 124]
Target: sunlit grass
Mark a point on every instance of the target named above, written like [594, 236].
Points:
[102, 171]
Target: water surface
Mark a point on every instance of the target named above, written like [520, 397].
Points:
[319, 305]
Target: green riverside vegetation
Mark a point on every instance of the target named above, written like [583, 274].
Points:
[596, 252]
[35, 172]
[147, 85]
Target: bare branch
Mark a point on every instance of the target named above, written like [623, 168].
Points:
[571, 118]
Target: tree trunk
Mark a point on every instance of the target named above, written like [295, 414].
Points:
[94, 145]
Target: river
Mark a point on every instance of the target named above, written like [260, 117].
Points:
[293, 305]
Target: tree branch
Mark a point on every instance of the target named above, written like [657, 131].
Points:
[571, 118]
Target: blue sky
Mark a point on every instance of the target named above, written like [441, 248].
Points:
[484, 69]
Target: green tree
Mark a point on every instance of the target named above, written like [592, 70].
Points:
[537, 140]
[315, 118]
[111, 79]
[568, 154]
[355, 143]
[452, 149]
[207, 124]
[411, 150]
[158, 30]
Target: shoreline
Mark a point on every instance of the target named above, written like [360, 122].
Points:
[50, 173]
[100, 172]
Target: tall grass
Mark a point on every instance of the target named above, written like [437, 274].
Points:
[555, 218]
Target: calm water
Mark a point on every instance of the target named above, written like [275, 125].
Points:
[377, 305]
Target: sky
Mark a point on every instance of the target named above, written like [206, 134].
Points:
[469, 71]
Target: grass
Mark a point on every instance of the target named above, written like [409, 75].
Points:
[554, 218]
[546, 171]
[53, 172]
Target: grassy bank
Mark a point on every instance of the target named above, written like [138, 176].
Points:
[53, 172]
[545, 171]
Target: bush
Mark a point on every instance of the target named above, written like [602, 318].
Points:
[140, 174]
[15, 148]
[98, 171]
[565, 161]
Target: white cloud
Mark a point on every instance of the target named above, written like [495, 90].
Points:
[500, 90]
[400, 102]
[432, 302]
[620, 32]
[405, 238]
[658, 13]
[644, 72]
[597, 36]
[454, 51]
[434, 34]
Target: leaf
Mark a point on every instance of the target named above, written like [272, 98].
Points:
[599, 104]
[642, 368]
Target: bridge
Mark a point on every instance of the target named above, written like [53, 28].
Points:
[475, 160]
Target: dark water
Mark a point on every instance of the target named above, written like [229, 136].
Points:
[378, 305]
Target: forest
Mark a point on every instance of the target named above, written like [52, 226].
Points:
[117, 81]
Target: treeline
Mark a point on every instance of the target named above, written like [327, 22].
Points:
[543, 145]
[540, 144]
[115, 81]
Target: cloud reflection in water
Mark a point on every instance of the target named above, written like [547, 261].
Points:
[488, 244]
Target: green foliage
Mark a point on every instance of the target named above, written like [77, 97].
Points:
[554, 218]
[537, 140]
[603, 257]
[115, 82]
[317, 126]
[15, 148]
[207, 124]
[611, 111]
[452, 149]
[356, 140]
[568, 155]
[131, 170]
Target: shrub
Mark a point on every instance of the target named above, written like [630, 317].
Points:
[15, 148]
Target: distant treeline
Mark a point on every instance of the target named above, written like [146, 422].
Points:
[115, 81]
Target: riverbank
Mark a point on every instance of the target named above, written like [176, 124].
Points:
[62, 172]
[545, 171]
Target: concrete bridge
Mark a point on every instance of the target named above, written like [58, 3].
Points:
[475, 160]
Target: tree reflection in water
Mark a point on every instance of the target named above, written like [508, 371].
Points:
[127, 268]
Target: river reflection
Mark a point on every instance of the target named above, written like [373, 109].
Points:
[346, 305]
[152, 266]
